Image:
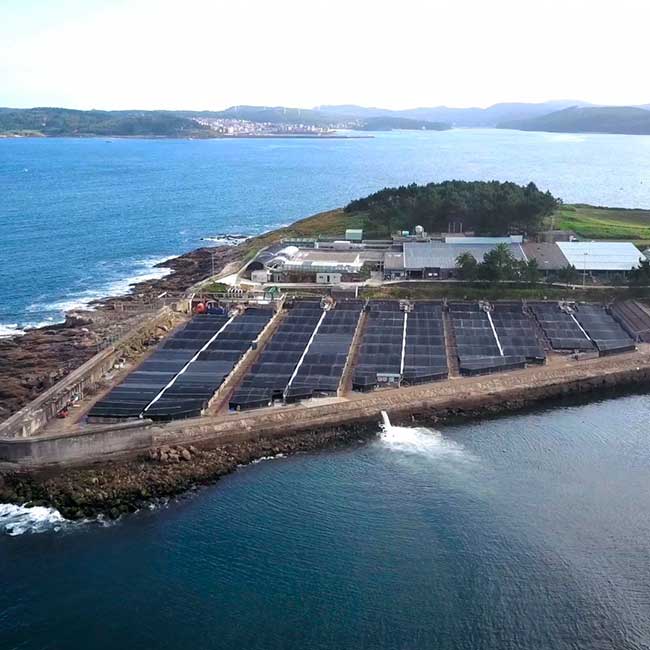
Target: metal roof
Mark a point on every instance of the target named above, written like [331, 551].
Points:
[440, 255]
[393, 261]
[601, 255]
[548, 255]
[509, 239]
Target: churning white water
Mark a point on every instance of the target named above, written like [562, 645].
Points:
[17, 520]
[419, 440]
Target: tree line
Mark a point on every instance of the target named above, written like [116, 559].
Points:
[484, 207]
[498, 265]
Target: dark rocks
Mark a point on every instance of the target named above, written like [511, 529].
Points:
[176, 454]
[118, 488]
[32, 363]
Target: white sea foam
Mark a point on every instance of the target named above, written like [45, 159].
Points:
[140, 270]
[8, 330]
[227, 240]
[420, 441]
[263, 458]
[18, 520]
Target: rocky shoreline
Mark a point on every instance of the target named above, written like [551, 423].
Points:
[122, 487]
[31, 363]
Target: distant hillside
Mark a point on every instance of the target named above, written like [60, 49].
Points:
[607, 119]
[277, 115]
[68, 122]
[486, 117]
[390, 123]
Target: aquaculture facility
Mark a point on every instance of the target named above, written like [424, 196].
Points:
[248, 369]
[306, 349]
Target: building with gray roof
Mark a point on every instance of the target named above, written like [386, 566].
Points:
[437, 259]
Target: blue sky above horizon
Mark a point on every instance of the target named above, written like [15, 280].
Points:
[207, 54]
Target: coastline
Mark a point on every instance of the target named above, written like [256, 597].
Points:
[203, 453]
[35, 360]
[123, 486]
[219, 136]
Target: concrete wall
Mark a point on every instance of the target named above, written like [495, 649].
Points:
[33, 417]
[475, 397]
[93, 443]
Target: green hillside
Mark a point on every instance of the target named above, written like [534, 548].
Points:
[487, 208]
[593, 222]
[606, 119]
[68, 122]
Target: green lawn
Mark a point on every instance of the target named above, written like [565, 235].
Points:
[604, 223]
[329, 224]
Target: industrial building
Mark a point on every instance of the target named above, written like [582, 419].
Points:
[601, 257]
[425, 258]
[436, 259]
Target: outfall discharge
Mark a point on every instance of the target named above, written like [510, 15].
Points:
[198, 453]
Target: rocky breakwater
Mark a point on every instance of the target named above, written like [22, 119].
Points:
[117, 488]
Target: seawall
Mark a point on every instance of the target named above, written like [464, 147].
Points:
[455, 397]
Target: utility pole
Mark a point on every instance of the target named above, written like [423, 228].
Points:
[584, 269]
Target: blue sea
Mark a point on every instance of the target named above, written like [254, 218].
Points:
[84, 218]
[527, 532]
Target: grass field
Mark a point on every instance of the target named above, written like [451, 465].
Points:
[331, 223]
[604, 223]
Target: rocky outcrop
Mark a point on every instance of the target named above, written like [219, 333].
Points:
[113, 489]
[32, 363]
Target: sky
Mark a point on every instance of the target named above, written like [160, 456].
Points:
[211, 54]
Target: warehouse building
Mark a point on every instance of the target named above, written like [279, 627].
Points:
[436, 259]
[432, 259]
[601, 258]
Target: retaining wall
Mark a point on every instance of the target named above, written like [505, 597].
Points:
[473, 397]
[33, 417]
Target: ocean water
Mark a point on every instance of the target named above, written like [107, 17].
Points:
[528, 531]
[83, 218]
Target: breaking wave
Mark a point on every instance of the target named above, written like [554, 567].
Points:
[9, 330]
[139, 270]
[18, 520]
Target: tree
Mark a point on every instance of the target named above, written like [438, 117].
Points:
[498, 264]
[467, 266]
[530, 271]
[640, 275]
[492, 208]
[567, 274]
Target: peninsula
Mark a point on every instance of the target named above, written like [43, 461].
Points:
[299, 338]
[626, 120]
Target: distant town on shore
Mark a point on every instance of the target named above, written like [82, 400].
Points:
[567, 116]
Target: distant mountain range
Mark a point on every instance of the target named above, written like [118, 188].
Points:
[556, 116]
[317, 117]
[590, 119]
[488, 117]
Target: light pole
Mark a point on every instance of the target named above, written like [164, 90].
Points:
[584, 269]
